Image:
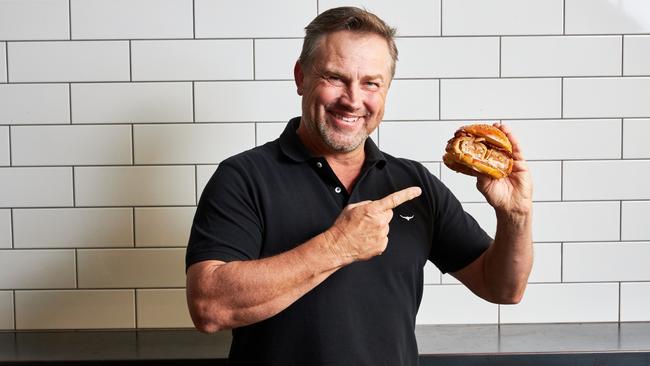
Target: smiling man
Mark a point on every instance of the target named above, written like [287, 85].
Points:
[311, 248]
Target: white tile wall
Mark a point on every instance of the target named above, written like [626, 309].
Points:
[131, 102]
[250, 18]
[192, 60]
[129, 268]
[71, 145]
[500, 98]
[411, 17]
[73, 227]
[501, 17]
[635, 220]
[607, 97]
[5, 229]
[4, 146]
[102, 163]
[164, 308]
[44, 19]
[191, 143]
[6, 310]
[117, 19]
[561, 56]
[34, 103]
[163, 226]
[605, 16]
[37, 269]
[454, 304]
[448, 57]
[134, 186]
[35, 187]
[635, 143]
[565, 303]
[68, 61]
[592, 262]
[606, 180]
[68, 309]
[635, 301]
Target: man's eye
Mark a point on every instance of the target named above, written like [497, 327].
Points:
[335, 80]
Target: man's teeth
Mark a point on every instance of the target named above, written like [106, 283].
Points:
[347, 119]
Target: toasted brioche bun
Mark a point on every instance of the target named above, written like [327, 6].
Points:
[479, 149]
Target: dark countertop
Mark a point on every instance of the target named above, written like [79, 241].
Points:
[520, 344]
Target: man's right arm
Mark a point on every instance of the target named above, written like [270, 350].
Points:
[229, 295]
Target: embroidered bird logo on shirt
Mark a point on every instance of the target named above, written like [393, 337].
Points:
[407, 218]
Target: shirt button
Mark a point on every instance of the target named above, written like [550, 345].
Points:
[319, 164]
[337, 189]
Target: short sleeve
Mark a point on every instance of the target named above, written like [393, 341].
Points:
[458, 239]
[227, 223]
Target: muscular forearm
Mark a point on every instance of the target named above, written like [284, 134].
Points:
[239, 293]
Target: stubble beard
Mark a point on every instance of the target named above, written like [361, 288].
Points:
[338, 142]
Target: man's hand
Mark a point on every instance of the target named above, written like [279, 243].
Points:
[361, 230]
[513, 194]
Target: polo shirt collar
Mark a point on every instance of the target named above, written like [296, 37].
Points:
[293, 148]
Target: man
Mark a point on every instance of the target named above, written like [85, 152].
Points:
[290, 245]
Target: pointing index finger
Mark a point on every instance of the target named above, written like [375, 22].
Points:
[397, 198]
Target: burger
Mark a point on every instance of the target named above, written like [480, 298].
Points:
[479, 149]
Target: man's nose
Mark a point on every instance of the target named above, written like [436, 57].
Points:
[351, 98]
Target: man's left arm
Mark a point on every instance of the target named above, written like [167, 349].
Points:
[501, 273]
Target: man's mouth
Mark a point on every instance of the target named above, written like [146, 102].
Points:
[348, 119]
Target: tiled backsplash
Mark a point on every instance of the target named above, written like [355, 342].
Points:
[114, 114]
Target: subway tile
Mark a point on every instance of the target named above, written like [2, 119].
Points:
[454, 304]
[203, 175]
[27, 20]
[607, 97]
[163, 226]
[131, 19]
[635, 142]
[583, 302]
[34, 103]
[73, 228]
[594, 262]
[561, 56]
[606, 17]
[68, 61]
[250, 18]
[448, 57]
[606, 180]
[134, 186]
[3, 62]
[275, 58]
[163, 308]
[124, 268]
[546, 176]
[191, 143]
[245, 101]
[35, 187]
[132, 102]
[500, 98]
[635, 301]
[575, 221]
[4, 146]
[410, 17]
[412, 100]
[431, 274]
[635, 220]
[192, 60]
[502, 17]
[71, 309]
[603, 142]
[37, 269]
[636, 53]
[265, 132]
[6, 310]
[5, 228]
[71, 145]
[483, 213]
[421, 141]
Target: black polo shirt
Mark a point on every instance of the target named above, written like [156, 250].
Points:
[274, 197]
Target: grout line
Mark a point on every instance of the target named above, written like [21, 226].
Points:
[193, 19]
[7, 59]
[76, 268]
[69, 103]
[622, 55]
[563, 17]
[132, 145]
[620, 221]
[317, 7]
[133, 223]
[14, 306]
[13, 231]
[562, 263]
[254, 61]
[500, 56]
[619, 307]
[193, 102]
[196, 183]
[622, 138]
[561, 98]
[130, 63]
[70, 19]
[135, 308]
[441, 17]
[74, 197]
[10, 154]
[439, 99]
[561, 180]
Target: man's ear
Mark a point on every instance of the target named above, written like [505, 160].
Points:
[298, 77]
